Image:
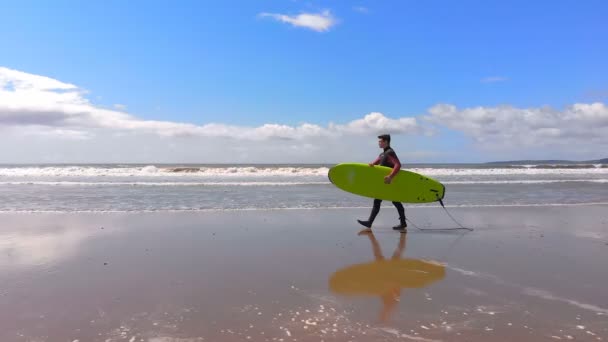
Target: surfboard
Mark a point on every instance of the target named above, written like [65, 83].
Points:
[406, 186]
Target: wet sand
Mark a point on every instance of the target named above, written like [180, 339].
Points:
[525, 273]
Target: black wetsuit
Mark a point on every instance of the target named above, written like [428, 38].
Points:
[385, 160]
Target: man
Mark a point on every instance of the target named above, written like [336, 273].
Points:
[387, 158]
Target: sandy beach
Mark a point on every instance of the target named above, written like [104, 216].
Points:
[526, 273]
[203, 171]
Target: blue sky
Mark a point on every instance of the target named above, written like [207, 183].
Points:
[224, 62]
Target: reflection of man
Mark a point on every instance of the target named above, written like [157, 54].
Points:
[391, 297]
[385, 277]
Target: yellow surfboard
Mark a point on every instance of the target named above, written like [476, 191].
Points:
[406, 186]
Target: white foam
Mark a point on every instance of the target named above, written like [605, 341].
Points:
[508, 171]
[153, 171]
[261, 171]
[529, 181]
[591, 235]
[118, 183]
[534, 292]
[203, 210]
[398, 334]
[279, 183]
[549, 296]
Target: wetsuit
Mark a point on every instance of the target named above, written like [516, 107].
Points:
[388, 158]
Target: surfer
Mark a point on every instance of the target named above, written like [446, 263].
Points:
[388, 158]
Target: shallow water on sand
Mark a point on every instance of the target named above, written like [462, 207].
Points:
[524, 273]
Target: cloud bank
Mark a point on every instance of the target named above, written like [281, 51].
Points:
[46, 120]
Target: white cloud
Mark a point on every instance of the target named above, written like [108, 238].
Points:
[52, 121]
[378, 123]
[510, 127]
[494, 79]
[13, 78]
[120, 106]
[53, 133]
[320, 22]
[39, 102]
[44, 117]
[361, 9]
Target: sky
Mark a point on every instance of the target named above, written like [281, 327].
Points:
[302, 81]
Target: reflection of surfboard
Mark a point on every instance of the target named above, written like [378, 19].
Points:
[364, 180]
[379, 277]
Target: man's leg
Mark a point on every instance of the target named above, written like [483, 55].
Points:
[373, 214]
[402, 224]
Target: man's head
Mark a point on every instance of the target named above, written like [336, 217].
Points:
[384, 140]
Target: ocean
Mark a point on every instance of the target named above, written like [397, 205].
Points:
[161, 187]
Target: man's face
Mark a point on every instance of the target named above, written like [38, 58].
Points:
[381, 143]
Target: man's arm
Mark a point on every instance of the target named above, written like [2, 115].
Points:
[375, 162]
[397, 164]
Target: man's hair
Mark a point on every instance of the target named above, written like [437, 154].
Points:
[385, 137]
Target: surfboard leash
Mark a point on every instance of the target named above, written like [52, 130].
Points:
[460, 226]
[453, 219]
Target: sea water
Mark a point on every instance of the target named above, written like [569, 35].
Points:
[161, 187]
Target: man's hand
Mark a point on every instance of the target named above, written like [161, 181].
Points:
[388, 179]
[371, 164]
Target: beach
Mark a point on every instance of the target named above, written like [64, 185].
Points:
[529, 273]
[301, 171]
